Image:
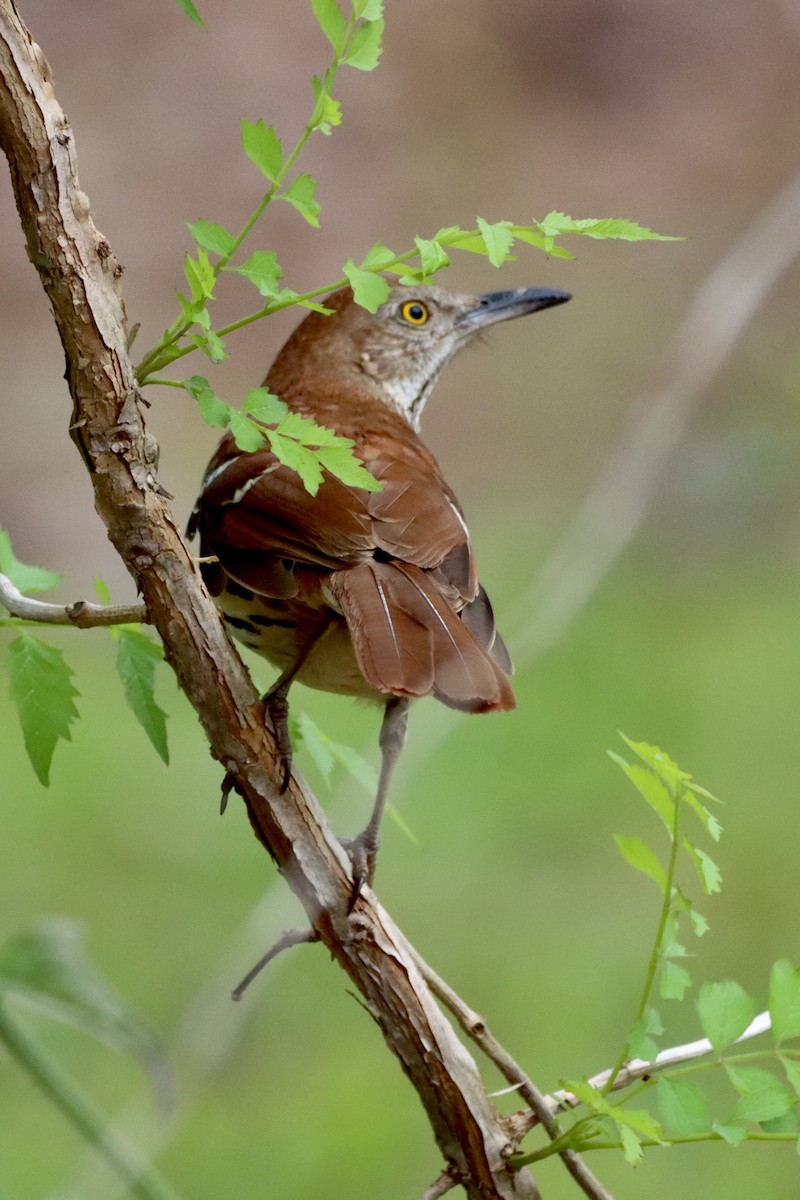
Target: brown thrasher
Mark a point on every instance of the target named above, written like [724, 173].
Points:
[368, 594]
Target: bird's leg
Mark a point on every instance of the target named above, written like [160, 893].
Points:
[363, 850]
[276, 700]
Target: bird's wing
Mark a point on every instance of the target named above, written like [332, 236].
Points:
[252, 506]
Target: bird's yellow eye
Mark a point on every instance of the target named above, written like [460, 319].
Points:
[415, 312]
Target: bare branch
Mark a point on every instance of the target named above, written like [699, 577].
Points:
[82, 613]
[637, 1068]
[440, 1187]
[289, 938]
[542, 1108]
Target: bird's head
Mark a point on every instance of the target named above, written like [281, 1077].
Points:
[398, 352]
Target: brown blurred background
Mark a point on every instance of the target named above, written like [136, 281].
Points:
[682, 116]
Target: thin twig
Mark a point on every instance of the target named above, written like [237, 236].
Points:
[289, 938]
[82, 613]
[440, 1187]
[476, 1028]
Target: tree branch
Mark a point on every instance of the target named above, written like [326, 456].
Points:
[81, 278]
[82, 613]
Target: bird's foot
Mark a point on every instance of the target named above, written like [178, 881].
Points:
[277, 705]
[363, 852]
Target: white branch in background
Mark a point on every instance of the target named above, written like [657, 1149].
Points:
[637, 1068]
[82, 613]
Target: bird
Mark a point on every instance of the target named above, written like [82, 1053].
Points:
[368, 594]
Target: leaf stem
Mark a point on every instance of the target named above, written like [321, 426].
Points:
[655, 954]
[144, 1181]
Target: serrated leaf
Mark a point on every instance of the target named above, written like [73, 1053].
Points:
[658, 761]
[345, 464]
[46, 970]
[247, 436]
[498, 239]
[263, 147]
[631, 1145]
[639, 855]
[190, 10]
[308, 433]
[673, 981]
[378, 256]
[210, 343]
[261, 404]
[331, 22]
[42, 691]
[26, 579]
[785, 1123]
[200, 275]
[263, 270]
[641, 1043]
[725, 1011]
[708, 819]
[531, 235]
[325, 752]
[699, 923]
[683, 1107]
[762, 1096]
[328, 112]
[300, 194]
[299, 458]
[432, 256]
[784, 1001]
[212, 409]
[369, 290]
[212, 237]
[137, 656]
[365, 46]
[650, 787]
[734, 1135]
[557, 223]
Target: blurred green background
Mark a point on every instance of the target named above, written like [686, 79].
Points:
[678, 115]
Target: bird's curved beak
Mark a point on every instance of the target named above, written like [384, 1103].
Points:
[501, 306]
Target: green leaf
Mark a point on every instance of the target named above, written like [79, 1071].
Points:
[707, 869]
[432, 256]
[46, 970]
[762, 1096]
[683, 1107]
[709, 820]
[210, 343]
[734, 1135]
[369, 290]
[325, 752]
[631, 1145]
[262, 405]
[641, 1043]
[674, 981]
[699, 923]
[27, 579]
[262, 146]
[212, 237]
[345, 464]
[137, 656]
[785, 1123]
[331, 22]
[557, 223]
[792, 1068]
[212, 409]
[659, 762]
[784, 1001]
[199, 274]
[651, 787]
[41, 689]
[299, 458]
[365, 46]
[300, 194]
[532, 236]
[639, 855]
[247, 436]
[308, 433]
[263, 270]
[327, 111]
[725, 1011]
[101, 591]
[190, 10]
[379, 256]
[498, 239]
[370, 10]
